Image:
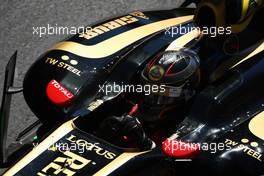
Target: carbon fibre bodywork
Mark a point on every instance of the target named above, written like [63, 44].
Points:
[227, 109]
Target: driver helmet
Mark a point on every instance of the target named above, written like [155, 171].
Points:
[176, 73]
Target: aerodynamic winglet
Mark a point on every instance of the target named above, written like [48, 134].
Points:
[8, 90]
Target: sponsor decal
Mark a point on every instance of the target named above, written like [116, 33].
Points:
[68, 164]
[25, 165]
[250, 148]
[102, 49]
[114, 24]
[156, 72]
[92, 147]
[58, 94]
[243, 145]
[106, 27]
[64, 65]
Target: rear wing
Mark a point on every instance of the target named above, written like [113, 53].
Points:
[8, 90]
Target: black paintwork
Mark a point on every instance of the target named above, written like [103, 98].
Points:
[125, 63]
[221, 110]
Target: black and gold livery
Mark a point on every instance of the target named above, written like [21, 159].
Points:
[63, 86]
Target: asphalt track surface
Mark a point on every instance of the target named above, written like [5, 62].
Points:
[17, 19]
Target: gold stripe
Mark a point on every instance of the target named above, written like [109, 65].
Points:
[244, 9]
[43, 146]
[119, 161]
[255, 52]
[116, 43]
[231, 63]
[183, 40]
[256, 125]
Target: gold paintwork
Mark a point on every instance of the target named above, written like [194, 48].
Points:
[42, 147]
[118, 42]
[184, 40]
[259, 49]
[245, 7]
[232, 63]
[53, 138]
[256, 125]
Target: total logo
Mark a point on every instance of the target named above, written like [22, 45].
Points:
[58, 94]
[63, 65]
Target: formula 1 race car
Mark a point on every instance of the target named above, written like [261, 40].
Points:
[165, 92]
